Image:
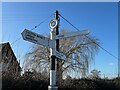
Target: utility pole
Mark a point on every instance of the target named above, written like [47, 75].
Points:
[57, 46]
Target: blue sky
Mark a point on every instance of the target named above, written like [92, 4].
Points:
[100, 18]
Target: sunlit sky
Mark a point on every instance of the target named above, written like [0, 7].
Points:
[100, 18]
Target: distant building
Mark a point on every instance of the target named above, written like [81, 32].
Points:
[8, 62]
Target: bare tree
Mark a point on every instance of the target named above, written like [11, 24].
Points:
[95, 74]
[80, 51]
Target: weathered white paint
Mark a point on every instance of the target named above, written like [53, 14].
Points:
[60, 55]
[36, 38]
[72, 34]
[52, 77]
[52, 37]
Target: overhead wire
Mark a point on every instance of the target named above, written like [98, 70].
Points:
[89, 38]
[33, 28]
[75, 28]
[42, 22]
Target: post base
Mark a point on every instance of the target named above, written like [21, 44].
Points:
[52, 88]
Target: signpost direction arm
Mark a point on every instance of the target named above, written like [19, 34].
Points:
[60, 55]
[36, 38]
[73, 34]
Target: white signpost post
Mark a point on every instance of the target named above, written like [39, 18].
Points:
[50, 43]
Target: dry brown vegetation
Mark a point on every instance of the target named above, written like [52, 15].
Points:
[32, 81]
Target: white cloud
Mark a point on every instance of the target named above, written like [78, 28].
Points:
[111, 64]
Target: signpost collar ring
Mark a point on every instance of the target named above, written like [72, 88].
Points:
[53, 24]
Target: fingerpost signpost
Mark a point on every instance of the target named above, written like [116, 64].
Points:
[51, 43]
